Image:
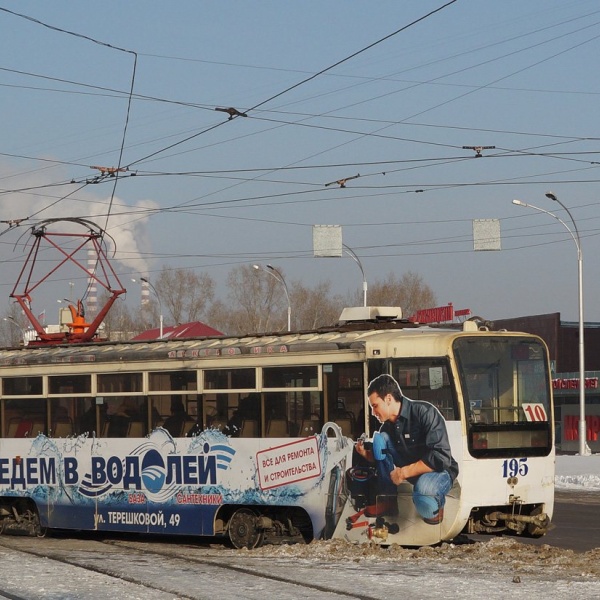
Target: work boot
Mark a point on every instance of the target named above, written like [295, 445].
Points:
[436, 519]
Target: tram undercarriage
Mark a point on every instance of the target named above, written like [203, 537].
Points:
[251, 527]
[528, 520]
[20, 517]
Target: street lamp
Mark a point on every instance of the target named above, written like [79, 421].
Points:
[13, 322]
[275, 273]
[352, 255]
[147, 282]
[583, 447]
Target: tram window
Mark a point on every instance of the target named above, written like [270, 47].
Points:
[346, 397]
[176, 413]
[482, 394]
[291, 377]
[24, 418]
[83, 417]
[376, 366]
[173, 381]
[506, 390]
[214, 411]
[69, 384]
[504, 381]
[61, 417]
[426, 379]
[291, 414]
[235, 414]
[124, 416]
[119, 382]
[230, 379]
[22, 386]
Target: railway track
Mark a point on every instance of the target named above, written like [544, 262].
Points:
[164, 570]
[88, 566]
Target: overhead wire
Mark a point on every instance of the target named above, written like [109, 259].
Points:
[353, 55]
[313, 77]
[298, 84]
[130, 95]
[308, 79]
[471, 91]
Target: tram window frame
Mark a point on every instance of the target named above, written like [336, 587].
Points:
[243, 379]
[81, 385]
[291, 374]
[158, 380]
[119, 381]
[24, 386]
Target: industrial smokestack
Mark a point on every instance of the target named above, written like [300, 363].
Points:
[92, 295]
[145, 292]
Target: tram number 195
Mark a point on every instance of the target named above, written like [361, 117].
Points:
[514, 466]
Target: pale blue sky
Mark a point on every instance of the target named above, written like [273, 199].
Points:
[520, 76]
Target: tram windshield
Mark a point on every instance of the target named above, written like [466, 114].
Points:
[506, 393]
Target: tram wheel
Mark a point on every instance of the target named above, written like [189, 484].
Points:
[37, 529]
[536, 530]
[242, 529]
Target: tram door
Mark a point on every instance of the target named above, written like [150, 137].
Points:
[345, 396]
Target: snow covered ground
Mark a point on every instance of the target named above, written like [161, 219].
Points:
[578, 473]
[497, 569]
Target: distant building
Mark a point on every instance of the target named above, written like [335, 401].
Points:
[562, 339]
[183, 330]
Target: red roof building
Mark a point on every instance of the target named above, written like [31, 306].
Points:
[183, 330]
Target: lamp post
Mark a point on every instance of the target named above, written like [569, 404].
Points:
[147, 282]
[276, 274]
[13, 322]
[352, 255]
[583, 447]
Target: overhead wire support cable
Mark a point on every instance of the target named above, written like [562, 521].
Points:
[353, 55]
[120, 167]
[61, 30]
[479, 149]
[296, 85]
[17, 222]
[130, 95]
[342, 182]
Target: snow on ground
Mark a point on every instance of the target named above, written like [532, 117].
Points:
[578, 472]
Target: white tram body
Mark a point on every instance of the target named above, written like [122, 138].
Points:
[252, 438]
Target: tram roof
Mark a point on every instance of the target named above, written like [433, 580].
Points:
[349, 337]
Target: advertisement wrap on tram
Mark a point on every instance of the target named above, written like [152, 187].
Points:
[405, 435]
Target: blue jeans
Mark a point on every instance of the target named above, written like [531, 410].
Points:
[430, 489]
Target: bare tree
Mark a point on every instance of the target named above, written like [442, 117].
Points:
[120, 323]
[14, 326]
[256, 302]
[409, 292]
[184, 294]
[314, 307]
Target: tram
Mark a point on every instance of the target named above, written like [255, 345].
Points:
[253, 439]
